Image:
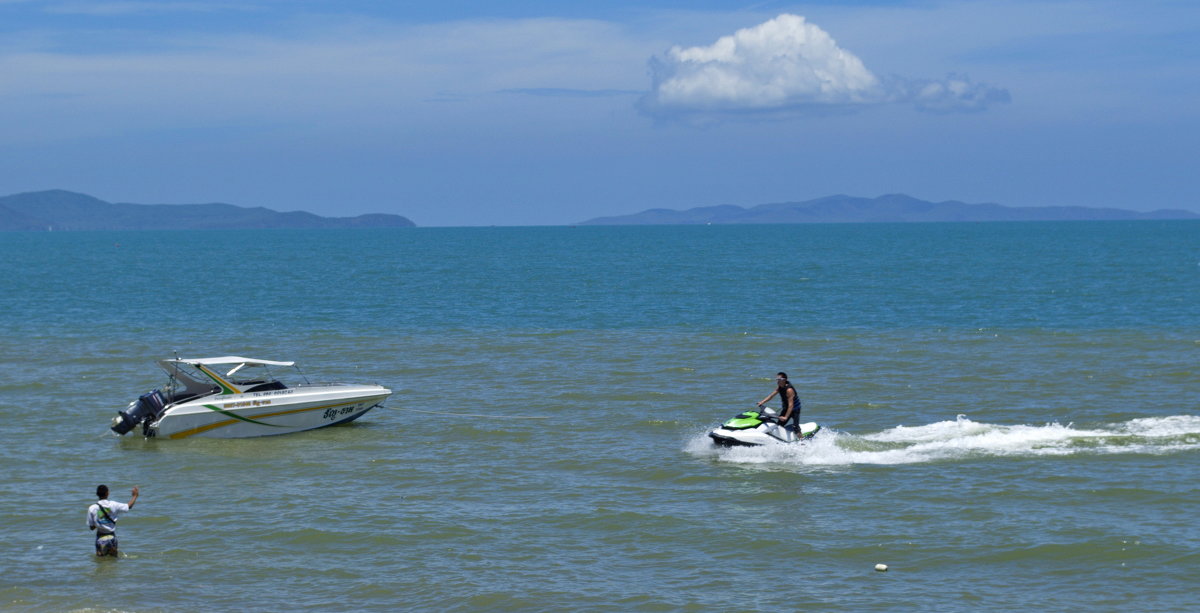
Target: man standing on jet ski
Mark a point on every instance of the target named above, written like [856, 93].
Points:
[791, 403]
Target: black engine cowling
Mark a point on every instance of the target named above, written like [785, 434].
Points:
[147, 407]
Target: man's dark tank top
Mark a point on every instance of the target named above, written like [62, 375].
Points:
[783, 397]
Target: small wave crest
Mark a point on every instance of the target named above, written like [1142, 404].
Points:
[962, 438]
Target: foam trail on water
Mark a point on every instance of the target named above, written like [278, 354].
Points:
[961, 439]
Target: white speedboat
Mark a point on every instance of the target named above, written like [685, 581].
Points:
[235, 397]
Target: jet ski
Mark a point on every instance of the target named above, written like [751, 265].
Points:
[758, 427]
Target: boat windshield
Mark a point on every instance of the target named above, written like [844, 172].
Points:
[193, 379]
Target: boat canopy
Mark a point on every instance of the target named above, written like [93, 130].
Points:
[229, 359]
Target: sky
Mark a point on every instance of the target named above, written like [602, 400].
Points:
[465, 113]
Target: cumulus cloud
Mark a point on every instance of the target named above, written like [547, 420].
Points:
[788, 64]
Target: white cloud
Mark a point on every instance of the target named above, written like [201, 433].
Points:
[787, 64]
[952, 94]
[782, 63]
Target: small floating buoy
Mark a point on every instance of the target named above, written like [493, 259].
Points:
[881, 568]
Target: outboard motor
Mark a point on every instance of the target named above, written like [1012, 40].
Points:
[145, 408]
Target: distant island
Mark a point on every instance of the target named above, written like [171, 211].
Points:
[56, 210]
[891, 208]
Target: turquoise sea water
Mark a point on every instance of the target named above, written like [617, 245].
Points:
[1011, 412]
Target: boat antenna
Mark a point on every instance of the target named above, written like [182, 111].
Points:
[171, 376]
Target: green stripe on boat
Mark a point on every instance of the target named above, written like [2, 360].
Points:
[236, 416]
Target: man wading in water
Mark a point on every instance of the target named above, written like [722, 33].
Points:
[102, 517]
[791, 403]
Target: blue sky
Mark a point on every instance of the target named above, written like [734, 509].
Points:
[462, 113]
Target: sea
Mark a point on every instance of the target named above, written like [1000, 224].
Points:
[1010, 418]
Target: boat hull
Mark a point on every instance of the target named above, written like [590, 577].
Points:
[764, 434]
[268, 413]
[722, 439]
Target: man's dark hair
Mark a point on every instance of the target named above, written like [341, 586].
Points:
[781, 374]
[102, 492]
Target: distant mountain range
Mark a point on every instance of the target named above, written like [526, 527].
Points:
[884, 209]
[62, 210]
